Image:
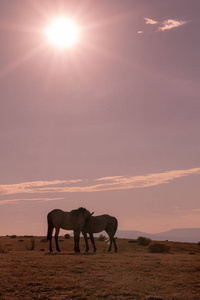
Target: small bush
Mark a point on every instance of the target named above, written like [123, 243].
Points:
[32, 244]
[43, 240]
[158, 248]
[2, 249]
[154, 298]
[102, 238]
[13, 236]
[67, 236]
[198, 244]
[142, 241]
[5, 248]
[133, 241]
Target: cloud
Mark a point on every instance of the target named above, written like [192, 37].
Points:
[170, 24]
[86, 186]
[165, 25]
[140, 31]
[150, 21]
[12, 201]
[187, 210]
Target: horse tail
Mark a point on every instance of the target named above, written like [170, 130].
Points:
[116, 225]
[50, 227]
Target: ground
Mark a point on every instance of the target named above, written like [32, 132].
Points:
[132, 273]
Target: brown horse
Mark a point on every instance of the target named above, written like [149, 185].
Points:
[97, 224]
[73, 220]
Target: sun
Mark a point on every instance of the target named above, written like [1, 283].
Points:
[63, 33]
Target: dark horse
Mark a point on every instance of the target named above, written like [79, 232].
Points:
[97, 224]
[73, 220]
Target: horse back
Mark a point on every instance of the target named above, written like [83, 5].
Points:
[96, 224]
[55, 217]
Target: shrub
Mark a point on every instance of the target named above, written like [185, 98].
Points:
[32, 244]
[154, 298]
[133, 241]
[67, 236]
[198, 244]
[43, 240]
[158, 248]
[13, 236]
[2, 249]
[102, 237]
[142, 241]
[5, 248]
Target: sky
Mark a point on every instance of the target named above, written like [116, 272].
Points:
[111, 123]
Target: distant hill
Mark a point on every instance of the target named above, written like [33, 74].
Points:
[190, 235]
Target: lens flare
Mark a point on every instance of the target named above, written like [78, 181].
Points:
[63, 33]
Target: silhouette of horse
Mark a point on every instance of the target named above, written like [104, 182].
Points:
[73, 220]
[96, 224]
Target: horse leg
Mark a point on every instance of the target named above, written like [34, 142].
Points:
[86, 240]
[50, 244]
[115, 244]
[76, 240]
[111, 239]
[49, 237]
[56, 239]
[49, 233]
[93, 243]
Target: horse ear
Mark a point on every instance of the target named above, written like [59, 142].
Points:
[91, 213]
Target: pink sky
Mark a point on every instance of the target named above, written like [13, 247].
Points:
[111, 124]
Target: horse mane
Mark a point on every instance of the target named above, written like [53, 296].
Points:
[81, 210]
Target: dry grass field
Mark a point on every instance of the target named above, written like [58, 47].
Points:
[132, 273]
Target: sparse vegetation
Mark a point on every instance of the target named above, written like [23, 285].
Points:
[133, 241]
[102, 238]
[5, 248]
[43, 240]
[154, 298]
[13, 236]
[67, 236]
[143, 241]
[2, 249]
[132, 273]
[32, 244]
[158, 248]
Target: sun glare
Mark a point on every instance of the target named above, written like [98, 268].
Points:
[62, 33]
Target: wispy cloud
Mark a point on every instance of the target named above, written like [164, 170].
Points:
[96, 185]
[170, 24]
[195, 210]
[12, 201]
[164, 25]
[150, 21]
